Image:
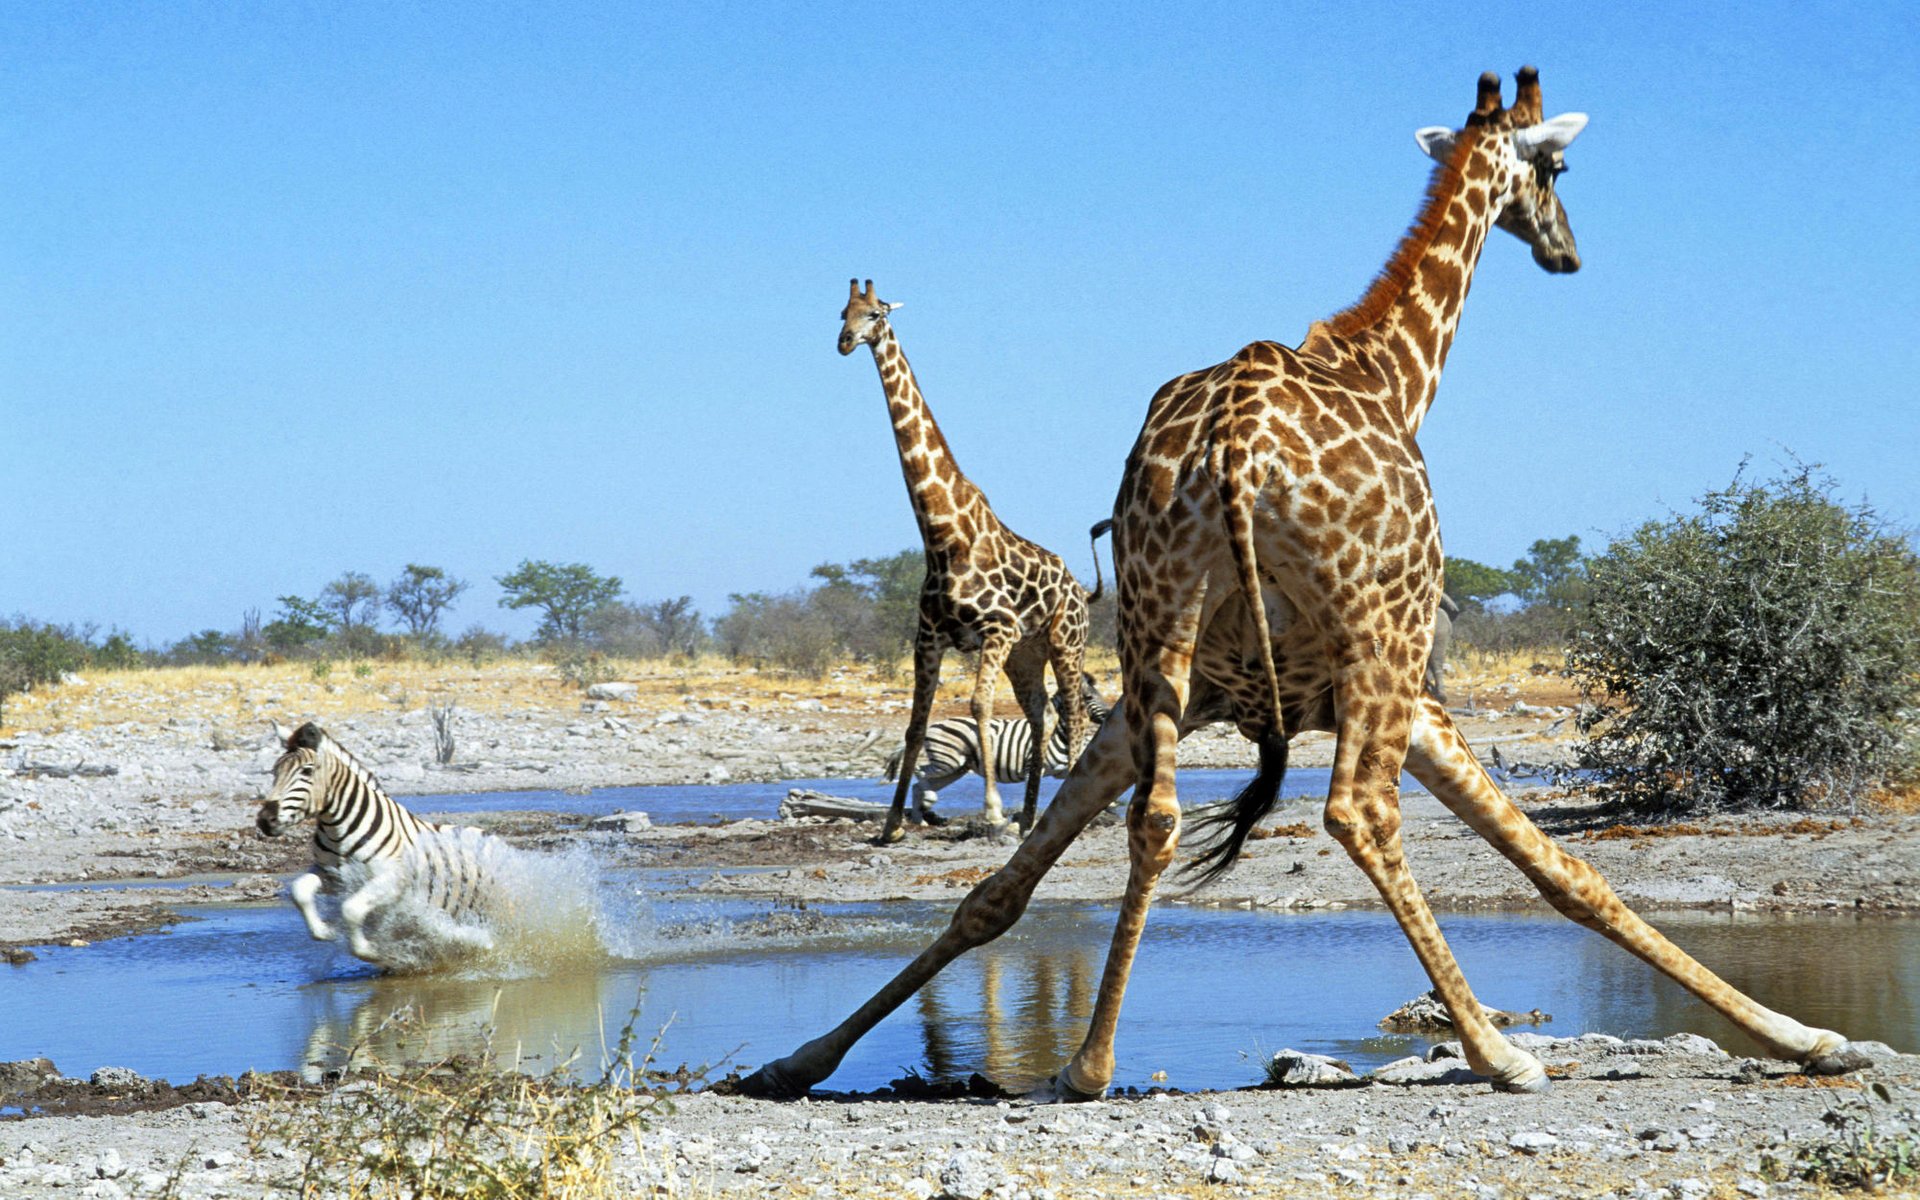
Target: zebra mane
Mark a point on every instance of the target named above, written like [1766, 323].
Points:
[355, 768]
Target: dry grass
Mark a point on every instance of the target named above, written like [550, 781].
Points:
[1640, 833]
[1900, 799]
[244, 697]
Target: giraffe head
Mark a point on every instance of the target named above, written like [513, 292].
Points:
[1528, 154]
[863, 318]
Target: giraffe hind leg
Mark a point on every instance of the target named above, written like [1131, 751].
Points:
[1442, 761]
[1026, 670]
[1363, 815]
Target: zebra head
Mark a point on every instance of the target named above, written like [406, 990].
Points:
[291, 800]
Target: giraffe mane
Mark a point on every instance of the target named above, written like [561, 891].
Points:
[1442, 186]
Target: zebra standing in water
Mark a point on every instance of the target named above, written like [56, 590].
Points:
[952, 750]
[360, 826]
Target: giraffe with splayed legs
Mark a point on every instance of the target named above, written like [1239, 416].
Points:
[1279, 562]
[987, 589]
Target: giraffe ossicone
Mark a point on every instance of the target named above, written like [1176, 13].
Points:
[1278, 563]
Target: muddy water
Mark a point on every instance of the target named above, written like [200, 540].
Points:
[1212, 994]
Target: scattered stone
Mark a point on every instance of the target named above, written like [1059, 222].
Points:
[1532, 1141]
[1298, 1069]
[969, 1175]
[621, 822]
[614, 691]
[118, 1079]
[1406, 1072]
[1426, 1013]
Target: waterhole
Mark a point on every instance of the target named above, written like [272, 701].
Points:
[1213, 992]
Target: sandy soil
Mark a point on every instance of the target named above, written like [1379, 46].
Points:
[123, 779]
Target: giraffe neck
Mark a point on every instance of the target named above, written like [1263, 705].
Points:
[934, 482]
[1404, 326]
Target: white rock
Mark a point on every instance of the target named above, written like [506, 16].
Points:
[1532, 1141]
[614, 691]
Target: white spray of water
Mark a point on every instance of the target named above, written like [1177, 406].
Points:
[465, 900]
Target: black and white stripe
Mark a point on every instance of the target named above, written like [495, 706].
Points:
[367, 843]
[952, 750]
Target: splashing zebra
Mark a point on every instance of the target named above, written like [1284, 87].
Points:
[952, 751]
[368, 845]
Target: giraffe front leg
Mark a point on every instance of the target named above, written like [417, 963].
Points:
[303, 891]
[993, 656]
[927, 649]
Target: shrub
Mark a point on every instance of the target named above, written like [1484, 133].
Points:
[33, 653]
[1763, 652]
[788, 632]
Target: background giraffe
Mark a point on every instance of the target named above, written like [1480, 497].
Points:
[987, 588]
[1279, 564]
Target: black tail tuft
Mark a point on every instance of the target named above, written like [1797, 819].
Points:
[1099, 530]
[1227, 830]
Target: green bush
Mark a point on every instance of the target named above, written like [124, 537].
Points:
[1762, 652]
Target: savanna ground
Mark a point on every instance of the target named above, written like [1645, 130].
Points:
[128, 777]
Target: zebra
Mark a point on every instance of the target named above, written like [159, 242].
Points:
[367, 844]
[952, 750]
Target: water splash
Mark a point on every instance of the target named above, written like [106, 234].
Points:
[469, 902]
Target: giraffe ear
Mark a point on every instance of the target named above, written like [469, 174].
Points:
[1436, 141]
[890, 305]
[1551, 135]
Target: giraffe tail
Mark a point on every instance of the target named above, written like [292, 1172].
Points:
[1225, 830]
[1093, 537]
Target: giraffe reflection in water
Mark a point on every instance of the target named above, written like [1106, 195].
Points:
[1032, 1010]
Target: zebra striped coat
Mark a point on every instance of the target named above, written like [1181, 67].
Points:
[367, 843]
[952, 752]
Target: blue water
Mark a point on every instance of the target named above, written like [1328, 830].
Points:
[682, 803]
[1212, 994]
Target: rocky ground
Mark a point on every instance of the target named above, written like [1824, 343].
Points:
[120, 780]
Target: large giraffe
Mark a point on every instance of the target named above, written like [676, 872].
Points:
[987, 588]
[1279, 562]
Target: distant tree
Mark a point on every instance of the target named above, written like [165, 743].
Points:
[353, 599]
[650, 630]
[873, 604]
[300, 623]
[1473, 583]
[420, 595]
[677, 623]
[566, 595]
[791, 632]
[251, 645]
[116, 652]
[209, 647]
[1554, 573]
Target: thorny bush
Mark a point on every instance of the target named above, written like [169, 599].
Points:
[1763, 652]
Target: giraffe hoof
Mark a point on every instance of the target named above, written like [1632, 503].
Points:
[771, 1082]
[1840, 1060]
[889, 836]
[1058, 1091]
[1529, 1079]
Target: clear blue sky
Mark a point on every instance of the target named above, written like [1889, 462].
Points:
[298, 289]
